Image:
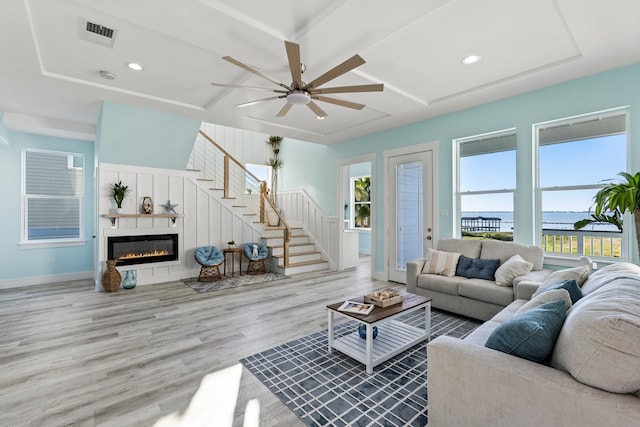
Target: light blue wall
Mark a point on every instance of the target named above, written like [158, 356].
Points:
[311, 167]
[136, 136]
[17, 262]
[620, 87]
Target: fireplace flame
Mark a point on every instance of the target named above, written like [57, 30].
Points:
[145, 255]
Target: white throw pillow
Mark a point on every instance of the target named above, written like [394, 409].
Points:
[440, 262]
[512, 268]
[579, 274]
[548, 296]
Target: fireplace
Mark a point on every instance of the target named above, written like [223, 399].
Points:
[129, 250]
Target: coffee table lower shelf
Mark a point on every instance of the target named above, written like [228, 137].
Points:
[393, 338]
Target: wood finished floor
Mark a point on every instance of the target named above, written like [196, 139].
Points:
[72, 356]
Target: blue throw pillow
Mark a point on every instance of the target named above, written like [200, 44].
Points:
[570, 285]
[531, 334]
[477, 268]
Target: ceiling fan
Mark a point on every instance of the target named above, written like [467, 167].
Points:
[301, 93]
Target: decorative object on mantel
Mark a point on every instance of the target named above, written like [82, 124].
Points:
[129, 281]
[111, 278]
[169, 208]
[147, 205]
[118, 193]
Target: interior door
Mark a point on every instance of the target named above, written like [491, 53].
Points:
[410, 178]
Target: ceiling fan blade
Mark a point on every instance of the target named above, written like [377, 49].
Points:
[255, 71]
[293, 54]
[378, 87]
[319, 111]
[340, 102]
[248, 87]
[338, 70]
[284, 110]
[246, 104]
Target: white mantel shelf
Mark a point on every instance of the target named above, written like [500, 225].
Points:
[114, 217]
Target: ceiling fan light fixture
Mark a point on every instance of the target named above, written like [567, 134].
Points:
[299, 97]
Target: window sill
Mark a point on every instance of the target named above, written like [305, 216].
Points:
[51, 244]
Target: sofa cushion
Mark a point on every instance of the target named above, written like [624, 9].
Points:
[470, 248]
[530, 334]
[548, 296]
[579, 274]
[570, 285]
[444, 284]
[599, 344]
[485, 290]
[609, 274]
[477, 268]
[492, 249]
[512, 268]
[440, 262]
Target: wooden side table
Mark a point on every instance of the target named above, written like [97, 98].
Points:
[233, 252]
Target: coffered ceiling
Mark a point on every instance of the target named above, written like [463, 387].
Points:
[50, 64]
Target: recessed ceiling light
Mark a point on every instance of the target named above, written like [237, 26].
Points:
[107, 74]
[320, 117]
[134, 66]
[471, 59]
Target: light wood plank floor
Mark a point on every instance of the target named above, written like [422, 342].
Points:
[156, 355]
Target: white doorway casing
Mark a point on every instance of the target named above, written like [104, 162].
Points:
[425, 157]
[343, 194]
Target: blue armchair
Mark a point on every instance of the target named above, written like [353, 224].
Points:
[257, 257]
[210, 258]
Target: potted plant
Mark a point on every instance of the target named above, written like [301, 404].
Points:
[118, 192]
[276, 164]
[231, 244]
[616, 199]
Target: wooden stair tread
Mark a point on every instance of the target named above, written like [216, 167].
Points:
[290, 244]
[297, 254]
[303, 263]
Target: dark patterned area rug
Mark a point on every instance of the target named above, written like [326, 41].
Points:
[325, 389]
[232, 282]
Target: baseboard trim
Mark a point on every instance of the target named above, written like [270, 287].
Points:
[44, 280]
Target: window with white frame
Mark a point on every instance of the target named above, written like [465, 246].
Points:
[52, 195]
[261, 172]
[361, 202]
[486, 182]
[576, 157]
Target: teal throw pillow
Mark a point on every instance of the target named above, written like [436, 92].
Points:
[477, 268]
[570, 285]
[531, 334]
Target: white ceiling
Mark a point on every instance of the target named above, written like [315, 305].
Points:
[49, 68]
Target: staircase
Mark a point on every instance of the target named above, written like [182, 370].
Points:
[303, 254]
[291, 249]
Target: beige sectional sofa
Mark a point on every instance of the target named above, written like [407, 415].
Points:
[591, 379]
[474, 297]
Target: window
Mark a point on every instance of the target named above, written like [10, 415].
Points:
[262, 172]
[53, 193]
[361, 202]
[576, 157]
[486, 182]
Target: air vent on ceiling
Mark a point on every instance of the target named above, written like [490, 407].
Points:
[99, 30]
[98, 34]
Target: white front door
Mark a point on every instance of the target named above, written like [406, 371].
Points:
[410, 209]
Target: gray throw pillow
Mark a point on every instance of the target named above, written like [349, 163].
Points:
[477, 268]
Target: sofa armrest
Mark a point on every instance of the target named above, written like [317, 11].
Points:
[526, 288]
[470, 384]
[413, 270]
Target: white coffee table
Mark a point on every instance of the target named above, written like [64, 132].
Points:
[395, 336]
